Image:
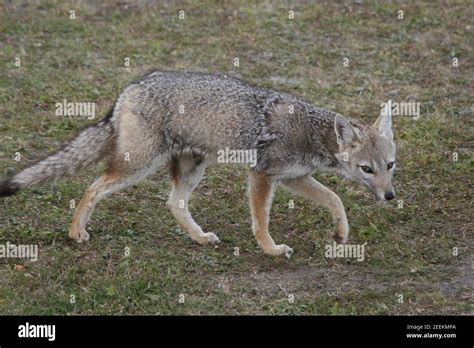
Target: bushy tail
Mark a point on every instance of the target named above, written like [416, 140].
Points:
[86, 149]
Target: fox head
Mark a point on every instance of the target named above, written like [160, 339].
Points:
[367, 154]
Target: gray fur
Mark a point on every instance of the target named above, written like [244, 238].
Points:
[221, 111]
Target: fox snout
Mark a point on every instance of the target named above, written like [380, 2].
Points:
[381, 185]
[386, 194]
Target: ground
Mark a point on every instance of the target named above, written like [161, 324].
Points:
[420, 249]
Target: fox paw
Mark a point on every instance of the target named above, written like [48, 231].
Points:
[79, 235]
[342, 231]
[281, 249]
[339, 239]
[208, 238]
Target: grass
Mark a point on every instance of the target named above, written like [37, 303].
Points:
[409, 250]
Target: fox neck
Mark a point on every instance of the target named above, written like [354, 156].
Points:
[324, 149]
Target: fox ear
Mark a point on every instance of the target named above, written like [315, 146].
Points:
[345, 132]
[383, 124]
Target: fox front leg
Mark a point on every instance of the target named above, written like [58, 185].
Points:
[309, 188]
[261, 191]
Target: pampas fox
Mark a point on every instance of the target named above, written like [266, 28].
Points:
[181, 120]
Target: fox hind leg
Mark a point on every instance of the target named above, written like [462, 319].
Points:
[186, 173]
[112, 181]
[77, 230]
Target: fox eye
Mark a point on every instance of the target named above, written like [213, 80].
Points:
[366, 169]
[390, 165]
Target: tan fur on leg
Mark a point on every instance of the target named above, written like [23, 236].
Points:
[186, 175]
[261, 191]
[309, 188]
[107, 184]
[84, 209]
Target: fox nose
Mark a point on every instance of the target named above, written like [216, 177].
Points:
[389, 195]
